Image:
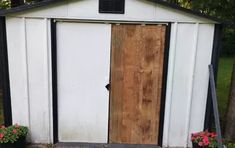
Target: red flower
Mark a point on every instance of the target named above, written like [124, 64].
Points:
[200, 143]
[213, 135]
[14, 131]
[2, 126]
[1, 135]
[205, 140]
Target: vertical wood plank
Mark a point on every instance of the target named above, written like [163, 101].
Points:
[136, 78]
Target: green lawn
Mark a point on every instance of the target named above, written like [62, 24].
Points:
[223, 84]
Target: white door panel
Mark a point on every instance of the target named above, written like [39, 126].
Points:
[83, 63]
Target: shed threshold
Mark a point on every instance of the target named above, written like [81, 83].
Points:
[102, 145]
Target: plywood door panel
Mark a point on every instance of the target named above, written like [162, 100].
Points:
[136, 79]
[83, 61]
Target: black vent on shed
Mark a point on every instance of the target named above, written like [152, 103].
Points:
[112, 6]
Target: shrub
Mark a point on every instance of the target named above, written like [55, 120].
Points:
[204, 139]
[12, 133]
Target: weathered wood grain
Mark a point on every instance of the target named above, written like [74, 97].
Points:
[136, 78]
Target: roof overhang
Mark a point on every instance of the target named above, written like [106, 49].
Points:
[26, 7]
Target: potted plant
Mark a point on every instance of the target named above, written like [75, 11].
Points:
[13, 136]
[204, 139]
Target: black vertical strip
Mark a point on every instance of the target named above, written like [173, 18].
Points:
[164, 82]
[214, 61]
[54, 80]
[5, 73]
[217, 48]
[110, 85]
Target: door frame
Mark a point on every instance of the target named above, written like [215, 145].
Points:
[4, 69]
[54, 72]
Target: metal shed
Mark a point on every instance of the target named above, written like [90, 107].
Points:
[98, 71]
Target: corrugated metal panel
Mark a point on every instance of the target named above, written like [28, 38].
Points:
[18, 70]
[190, 52]
[29, 76]
[201, 76]
[38, 78]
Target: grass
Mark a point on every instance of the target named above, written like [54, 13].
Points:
[223, 85]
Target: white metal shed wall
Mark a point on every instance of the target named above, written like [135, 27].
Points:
[28, 38]
[135, 10]
[30, 78]
[187, 82]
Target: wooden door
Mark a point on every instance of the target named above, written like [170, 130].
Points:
[136, 80]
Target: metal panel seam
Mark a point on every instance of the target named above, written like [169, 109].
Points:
[26, 66]
[192, 81]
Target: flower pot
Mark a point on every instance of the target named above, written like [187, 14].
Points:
[195, 145]
[20, 143]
